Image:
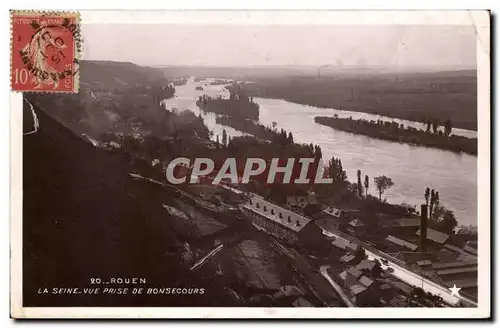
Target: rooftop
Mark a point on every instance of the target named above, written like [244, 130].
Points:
[353, 246]
[462, 283]
[435, 236]
[280, 215]
[289, 290]
[365, 264]
[354, 272]
[407, 222]
[332, 211]
[470, 249]
[401, 242]
[340, 243]
[357, 223]
[471, 243]
[365, 281]
[456, 270]
[350, 210]
[448, 265]
[347, 258]
[302, 302]
[400, 223]
[356, 289]
[301, 200]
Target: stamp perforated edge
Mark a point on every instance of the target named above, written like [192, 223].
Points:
[62, 13]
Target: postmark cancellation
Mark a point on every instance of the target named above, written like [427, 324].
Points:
[45, 49]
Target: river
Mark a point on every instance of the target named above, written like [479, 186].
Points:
[412, 168]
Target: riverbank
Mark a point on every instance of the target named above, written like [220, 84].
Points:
[418, 97]
[248, 126]
[398, 133]
[236, 106]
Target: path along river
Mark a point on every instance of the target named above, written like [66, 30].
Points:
[412, 168]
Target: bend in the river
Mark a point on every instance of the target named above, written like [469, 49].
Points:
[412, 168]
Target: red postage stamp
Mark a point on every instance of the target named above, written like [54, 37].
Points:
[45, 51]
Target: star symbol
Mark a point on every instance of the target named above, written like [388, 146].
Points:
[454, 290]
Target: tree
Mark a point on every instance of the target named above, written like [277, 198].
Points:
[447, 128]
[367, 184]
[317, 152]
[427, 194]
[217, 144]
[432, 202]
[443, 220]
[377, 269]
[290, 138]
[360, 255]
[428, 129]
[224, 137]
[436, 198]
[153, 146]
[382, 183]
[435, 126]
[469, 230]
[360, 188]
[336, 172]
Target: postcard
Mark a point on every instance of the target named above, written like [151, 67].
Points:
[250, 164]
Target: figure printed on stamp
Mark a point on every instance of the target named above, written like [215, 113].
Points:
[44, 52]
[45, 47]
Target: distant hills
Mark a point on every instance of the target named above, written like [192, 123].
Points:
[259, 71]
[118, 74]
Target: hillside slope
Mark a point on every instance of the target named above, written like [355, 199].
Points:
[81, 222]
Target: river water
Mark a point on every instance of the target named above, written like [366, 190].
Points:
[412, 168]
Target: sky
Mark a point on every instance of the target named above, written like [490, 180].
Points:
[256, 45]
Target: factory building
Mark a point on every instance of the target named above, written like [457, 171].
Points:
[280, 222]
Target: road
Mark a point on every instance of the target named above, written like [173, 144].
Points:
[338, 289]
[412, 278]
[416, 280]
[205, 258]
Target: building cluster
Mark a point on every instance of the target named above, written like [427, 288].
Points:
[305, 204]
[425, 253]
[360, 282]
[332, 219]
[408, 240]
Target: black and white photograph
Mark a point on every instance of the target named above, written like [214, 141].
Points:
[335, 162]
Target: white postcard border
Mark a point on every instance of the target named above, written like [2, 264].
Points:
[479, 18]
